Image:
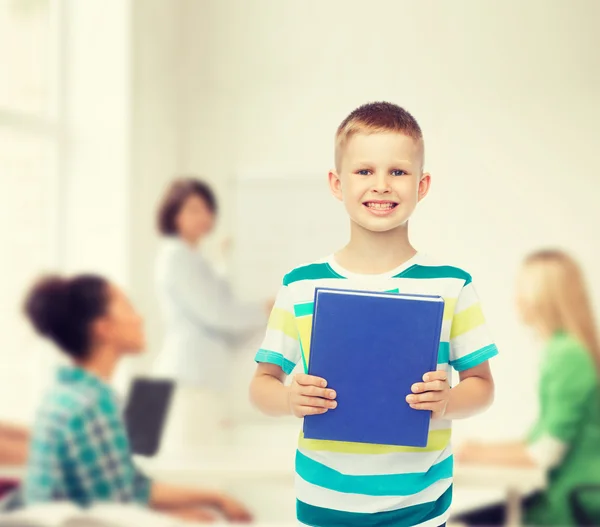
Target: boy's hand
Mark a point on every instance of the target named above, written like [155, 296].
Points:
[432, 394]
[307, 395]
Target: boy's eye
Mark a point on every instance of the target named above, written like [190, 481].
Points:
[364, 172]
[398, 173]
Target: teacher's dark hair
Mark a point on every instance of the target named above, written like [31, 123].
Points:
[63, 310]
[176, 195]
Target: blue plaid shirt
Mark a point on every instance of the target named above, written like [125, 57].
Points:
[80, 451]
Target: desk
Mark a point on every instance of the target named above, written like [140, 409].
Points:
[104, 515]
[222, 467]
[515, 483]
[12, 472]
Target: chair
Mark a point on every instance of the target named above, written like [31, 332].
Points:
[585, 505]
[11, 500]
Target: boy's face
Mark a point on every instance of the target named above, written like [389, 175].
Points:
[380, 180]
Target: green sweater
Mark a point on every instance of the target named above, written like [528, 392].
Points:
[570, 412]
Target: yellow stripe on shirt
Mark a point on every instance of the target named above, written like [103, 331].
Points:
[304, 325]
[467, 320]
[438, 440]
[449, 307]
[282, 320]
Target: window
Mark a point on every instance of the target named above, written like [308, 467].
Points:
[30, 152]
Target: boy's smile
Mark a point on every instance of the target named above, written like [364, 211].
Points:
[380, 207]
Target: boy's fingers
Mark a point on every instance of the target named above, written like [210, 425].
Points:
[317, 392]
[425, 406]
[312, 410]
[310, 380]
[317, 402]
[433, 386]
[426, 397]
[439, 375]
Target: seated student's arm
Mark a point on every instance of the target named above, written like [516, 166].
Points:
[15, 432]
[471, 347]
[184, 502]
[201, 297]
[14, 444]
[13, 452]
[276, 358]
[99, 452]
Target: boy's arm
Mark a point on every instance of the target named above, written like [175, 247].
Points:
[306, 395]
[267, 391]
[473, 394]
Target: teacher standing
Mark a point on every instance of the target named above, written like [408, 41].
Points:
[202, 316]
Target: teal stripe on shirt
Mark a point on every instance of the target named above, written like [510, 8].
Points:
[308, 308]
[440, 271]
[474, 359]
[380, 485]
[318, 271]
[304, 310]
[405, 517]
[272, 357]
[444, 353]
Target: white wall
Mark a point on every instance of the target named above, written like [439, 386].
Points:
[97, 109]
[155, 137]
[508, 97]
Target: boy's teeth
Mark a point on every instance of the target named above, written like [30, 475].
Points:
[381, 206]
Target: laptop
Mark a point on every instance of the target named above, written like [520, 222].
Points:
[146, 412]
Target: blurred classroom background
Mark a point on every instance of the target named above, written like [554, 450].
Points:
[102, 104]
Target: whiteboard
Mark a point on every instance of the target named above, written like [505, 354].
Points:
[280, 222]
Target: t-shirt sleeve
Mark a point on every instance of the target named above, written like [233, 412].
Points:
[281, 345]
[471, 342]
[570, 381]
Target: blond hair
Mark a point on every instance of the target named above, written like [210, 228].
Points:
[557, 293]
[375, 117]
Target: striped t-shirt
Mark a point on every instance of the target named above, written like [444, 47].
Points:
[339, 483]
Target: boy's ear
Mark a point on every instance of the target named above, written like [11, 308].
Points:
[335, 184]
[424, 185]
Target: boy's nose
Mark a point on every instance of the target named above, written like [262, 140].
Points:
[382, 183]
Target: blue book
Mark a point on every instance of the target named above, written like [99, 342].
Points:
[371, 347]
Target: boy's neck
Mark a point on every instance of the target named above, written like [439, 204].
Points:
[371, 252]
[102, 362]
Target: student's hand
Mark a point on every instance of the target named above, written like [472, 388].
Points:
[431, 394]
[193, 515]
[307, 395]
[233, 510]
[469, 452]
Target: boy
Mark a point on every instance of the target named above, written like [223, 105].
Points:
[379, 177]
